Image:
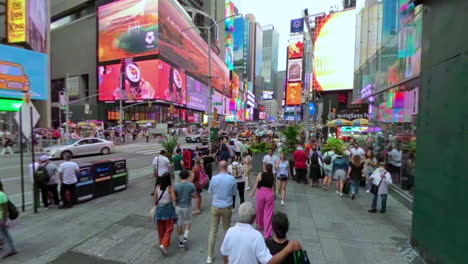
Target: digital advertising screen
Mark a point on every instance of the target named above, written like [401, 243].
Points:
[186, 48]
[267, 95]
[23, 71]
[238, 37]
[228, 34]
[217, 102]
[297, 25]
[142, 80]
[37, 25]
[127, 29]
[334, 42]
[234, 85]
[293, 93]
[296, 47]
[197, 95]
[294, 70]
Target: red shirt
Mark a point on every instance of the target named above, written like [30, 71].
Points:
[300, 158]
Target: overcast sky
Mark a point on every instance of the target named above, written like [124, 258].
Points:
[279, 13]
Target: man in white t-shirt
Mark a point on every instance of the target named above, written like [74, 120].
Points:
[67, 173]
[244, 244]
[238, 148]
[160, 166]
[394, 163]
[356, 150]
[272, 159]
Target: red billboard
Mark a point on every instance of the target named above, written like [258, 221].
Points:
[142, 80]
[180, 43]
[296, 47]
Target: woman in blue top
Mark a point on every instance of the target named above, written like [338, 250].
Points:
[339, 171]
[283, 173]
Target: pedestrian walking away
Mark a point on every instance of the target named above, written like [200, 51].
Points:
[355, 173]
[315, 168]
[8, 244]
[283, 174]
[178, 164]
[67, 173]
[265, 200]
[328, 159]
[222, 189]
[245, 245]
[165, 213]
[280, 224]
[237, 171]
[6, 143]
[300, 165]
[339, 171]
[380, 180]
[247, 168]
[48, 181]
[197, 170]
[185, 191]
[160, 166]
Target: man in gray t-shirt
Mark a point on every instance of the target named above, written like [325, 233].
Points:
[185, 191]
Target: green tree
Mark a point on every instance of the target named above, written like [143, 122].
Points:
[169, 143]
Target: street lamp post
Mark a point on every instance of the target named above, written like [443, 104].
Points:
[210, 88]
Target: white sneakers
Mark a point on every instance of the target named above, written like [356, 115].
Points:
[247, 188]
[163, 250]
[209, 260]
[282, 202]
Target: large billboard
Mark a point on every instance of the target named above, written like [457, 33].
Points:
[16, 21]
[293, 93]
[297, 25]
[23, 71]
[238, 37]
[294, 70]
[142, 80]
[127, 29]
[197, 95]
[181, 44]
[296, 47]
[334, 41]
[228, 35]
[37, 25]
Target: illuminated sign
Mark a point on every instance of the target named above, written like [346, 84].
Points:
[295, 70]
[267, 95]
[296, 47]
[297, 25]
[293, 93]
[16, 21]
[360, 129]
[334, 43]
[10, 105]
[228, 36]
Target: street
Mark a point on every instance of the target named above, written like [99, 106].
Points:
[139, 156]
[116, 228]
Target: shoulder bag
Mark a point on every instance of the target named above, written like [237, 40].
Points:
[301, 257]
[374, 187]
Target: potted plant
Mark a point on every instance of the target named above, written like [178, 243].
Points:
[169, 143]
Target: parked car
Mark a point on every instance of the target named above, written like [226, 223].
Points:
[80, 147]
[197, 138]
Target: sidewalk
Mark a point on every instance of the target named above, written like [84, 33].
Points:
[116, 229]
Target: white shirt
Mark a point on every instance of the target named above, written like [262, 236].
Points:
[358, 151]
[68, 170]
[32, 170]
[238, 146]
[395, 157]
[376, 177]
[245, 245]
[271, 160]
[162, 164]
[241, 171]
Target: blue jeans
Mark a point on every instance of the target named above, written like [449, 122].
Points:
[354, 185]
[384, 202]
[8, 245]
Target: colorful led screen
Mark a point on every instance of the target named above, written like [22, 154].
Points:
[197, 95]
[127, 29]
[150, 80]
[333, 63]
[293, 93]
[295, 70]
[296, 47]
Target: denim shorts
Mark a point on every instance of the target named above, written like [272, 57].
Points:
[339, 175]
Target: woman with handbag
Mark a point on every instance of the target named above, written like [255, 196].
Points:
[283, 174]
[380, 180]
[9, 247]
[165, 214]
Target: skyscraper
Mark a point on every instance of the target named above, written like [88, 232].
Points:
[269, 66]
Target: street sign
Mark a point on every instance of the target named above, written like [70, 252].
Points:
[26, 118]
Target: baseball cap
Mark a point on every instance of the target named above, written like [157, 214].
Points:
[43, 158]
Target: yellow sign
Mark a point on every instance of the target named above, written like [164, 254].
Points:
[16, 21]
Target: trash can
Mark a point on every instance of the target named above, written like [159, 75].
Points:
[119, 174]
[102, 178]
[84, 190]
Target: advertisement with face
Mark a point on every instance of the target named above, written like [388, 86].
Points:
[296, 47]
[127, 28]
[293, 93]
[186, 48]
[142, 80]
[295, 70]
[37, 25]
[23, 71]
[218, 102]
[197, 95]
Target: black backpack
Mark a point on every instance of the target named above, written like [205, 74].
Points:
[42, 175]
[328, 159]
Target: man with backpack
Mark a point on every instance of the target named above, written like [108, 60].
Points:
[67, 172]
[46, 180]
[9, 247]
[237, 171]
[328, 159]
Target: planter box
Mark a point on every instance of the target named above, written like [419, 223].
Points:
[257, 162]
